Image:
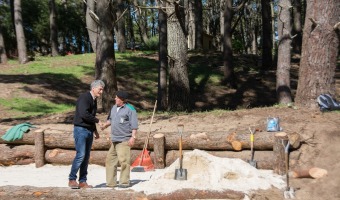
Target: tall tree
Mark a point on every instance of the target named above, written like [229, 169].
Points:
[53, 28]
[267, 44]
[91, 24]
[198, 24]
[20, 35]
[320, 47]
[105, 55]
[3, 55]
[131, 34]
[179, 88]
[162, 56]
[283, 89]
[228, 68]
[297, 26]
[120, 26]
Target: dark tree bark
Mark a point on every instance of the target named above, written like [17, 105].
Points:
[130, 29]
[198, 24]
[53, 28]
[163, 59]
[92, 26]
[297, 27]
[190, 23]
[3, 55]
[283, 90]
[179, 89]
[105, 57]
[19, 31]
[120, 27]
[267, 45]
[228, 68]
[320, 48]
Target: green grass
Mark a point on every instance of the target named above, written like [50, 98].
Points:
[32, 107]
[76, 65]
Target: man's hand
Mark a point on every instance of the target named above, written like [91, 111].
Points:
[104, 125]
[96, 135]
[131, 141]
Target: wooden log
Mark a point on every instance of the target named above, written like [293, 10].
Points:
[16, 154]
[313, 172]
[39, 156]
[65, 157]
[281, 140]
[190, 140]
[159, 157]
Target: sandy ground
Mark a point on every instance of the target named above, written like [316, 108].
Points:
[204, 171]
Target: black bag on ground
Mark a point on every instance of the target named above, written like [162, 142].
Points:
[327, 103]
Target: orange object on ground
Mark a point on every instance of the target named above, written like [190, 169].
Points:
[144, 162]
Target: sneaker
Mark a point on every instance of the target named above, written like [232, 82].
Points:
[124, 185]
[111, 186]
[84, 185]
[73, 184]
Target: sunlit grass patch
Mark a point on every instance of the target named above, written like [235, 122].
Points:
[33, 107]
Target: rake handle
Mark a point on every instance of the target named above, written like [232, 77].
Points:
[148, 135]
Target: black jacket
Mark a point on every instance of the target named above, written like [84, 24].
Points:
[86, 109]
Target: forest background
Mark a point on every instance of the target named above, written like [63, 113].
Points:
[270, 34]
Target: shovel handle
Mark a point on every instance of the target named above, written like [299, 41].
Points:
[180, 152]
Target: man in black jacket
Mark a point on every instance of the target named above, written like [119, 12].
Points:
[84, 128]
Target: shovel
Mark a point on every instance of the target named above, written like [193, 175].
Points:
[252, 162]
[289, 192]
[180, 174]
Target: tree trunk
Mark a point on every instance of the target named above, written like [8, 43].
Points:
[297, 27]
[92, 26]
[228, 68]
[105, 57]
[16, 154]
[130, 28]
[190, 24]
[283, 90]
[120, 28]
[319, 52]
[267, 61]
[19, 31]
[163, 59]
[3, 55]
[179, 88]
[198, 24]
[53, 29]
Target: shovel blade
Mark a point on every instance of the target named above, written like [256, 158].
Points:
[252, 163]
[181, 174]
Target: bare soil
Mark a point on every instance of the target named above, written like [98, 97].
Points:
[320, 131]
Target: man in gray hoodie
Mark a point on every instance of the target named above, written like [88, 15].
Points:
[124, 125]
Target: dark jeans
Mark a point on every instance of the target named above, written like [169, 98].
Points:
[83, 139]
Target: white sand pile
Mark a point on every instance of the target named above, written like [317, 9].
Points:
[204, 172]
[208, 172]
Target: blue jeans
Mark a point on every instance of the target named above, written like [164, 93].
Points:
[83, 139]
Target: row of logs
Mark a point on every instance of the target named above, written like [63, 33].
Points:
[56, 146]
[24, 154]
[190, 140]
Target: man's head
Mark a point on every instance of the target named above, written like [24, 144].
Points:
[97, 88]
[121, 97]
